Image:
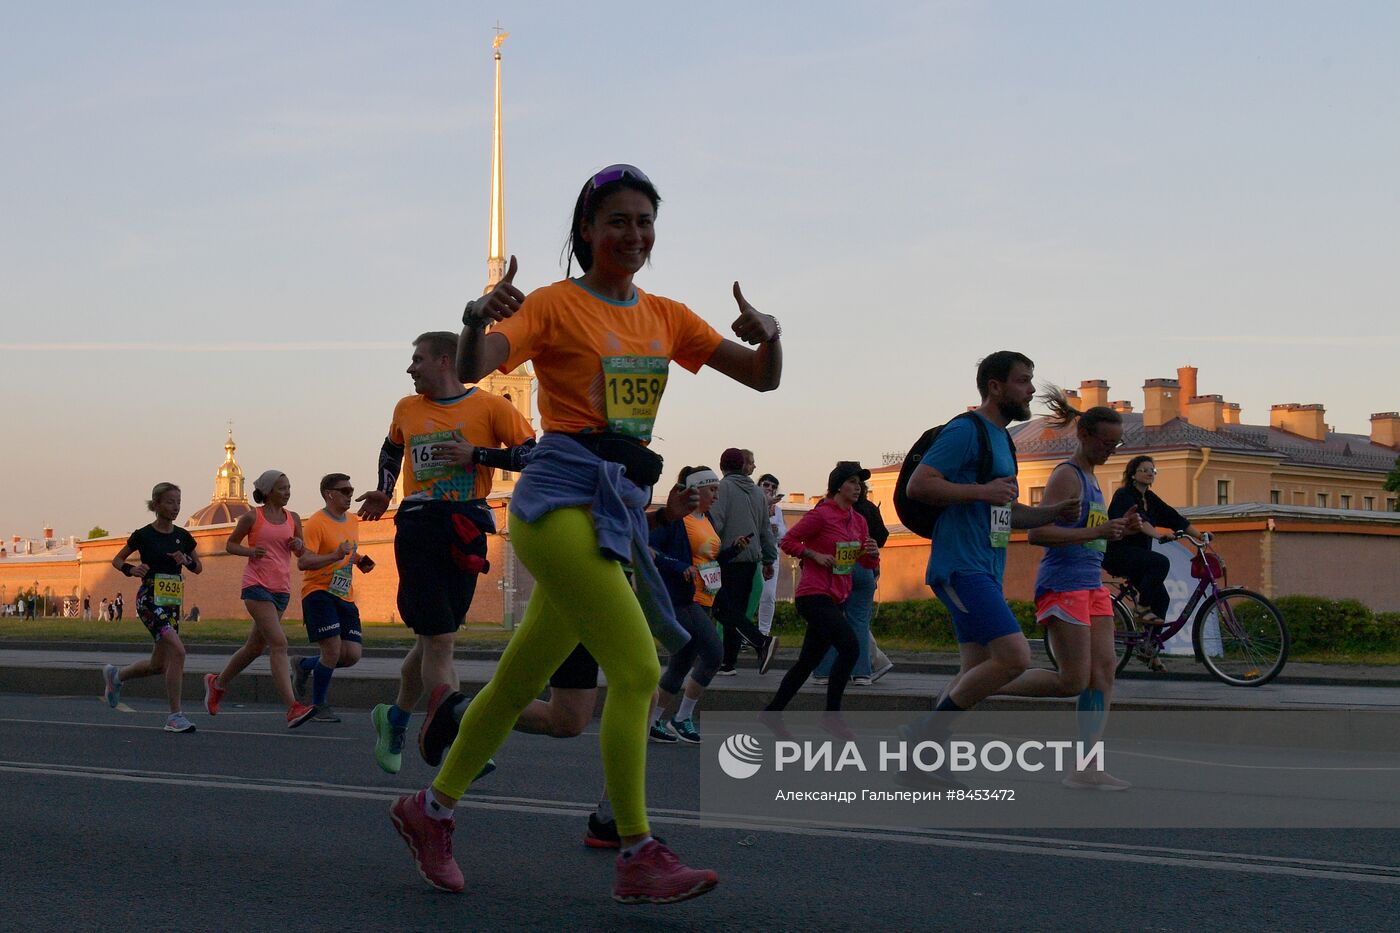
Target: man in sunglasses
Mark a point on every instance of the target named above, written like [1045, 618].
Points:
[328, 610]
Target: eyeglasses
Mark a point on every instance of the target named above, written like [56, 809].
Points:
[346, 491]
[616, 173]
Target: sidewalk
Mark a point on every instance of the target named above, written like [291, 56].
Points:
[69, 671]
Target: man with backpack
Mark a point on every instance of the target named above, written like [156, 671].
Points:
[960, 491]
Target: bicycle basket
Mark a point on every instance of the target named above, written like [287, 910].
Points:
[1211, 560]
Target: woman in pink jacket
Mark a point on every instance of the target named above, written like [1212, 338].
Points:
[830, 540]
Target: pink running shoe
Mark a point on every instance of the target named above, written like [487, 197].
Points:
[298, 713]
[429, 840]
[213, 694]
[655, 876]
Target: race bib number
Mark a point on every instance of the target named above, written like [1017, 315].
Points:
[167, 589]
[632, 387]
[1098, 516]
[340, 582]
[847, 553]
[710, 576]
[426, 467]
[1001, 526]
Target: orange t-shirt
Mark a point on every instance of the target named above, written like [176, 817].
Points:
[602, 365]
[323, 535]
[704, 548]
[478, 417]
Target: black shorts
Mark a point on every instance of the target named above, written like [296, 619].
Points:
[326, 616]
[156, 618]
[578, 672]
[440, 551]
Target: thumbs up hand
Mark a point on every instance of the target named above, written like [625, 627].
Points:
[498, 304]
[750, 326]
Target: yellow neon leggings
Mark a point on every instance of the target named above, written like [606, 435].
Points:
[579, 596]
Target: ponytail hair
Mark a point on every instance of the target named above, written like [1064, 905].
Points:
[1063, 413]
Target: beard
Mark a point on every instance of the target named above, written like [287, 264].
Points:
[1014, 411]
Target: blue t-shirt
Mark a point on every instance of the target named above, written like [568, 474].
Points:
[962, 539]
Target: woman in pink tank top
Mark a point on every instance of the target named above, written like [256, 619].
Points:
[272, 534]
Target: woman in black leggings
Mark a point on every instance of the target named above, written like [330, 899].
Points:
[831, 540]
[1132, 558]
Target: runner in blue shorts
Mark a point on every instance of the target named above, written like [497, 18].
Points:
[968, 556]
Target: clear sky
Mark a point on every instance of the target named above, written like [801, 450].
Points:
[247, 210]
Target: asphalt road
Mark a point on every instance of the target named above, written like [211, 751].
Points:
[107, 822]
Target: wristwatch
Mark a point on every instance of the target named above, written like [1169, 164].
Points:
[469, 317]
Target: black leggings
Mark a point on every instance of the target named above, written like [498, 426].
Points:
[1145, 569]
[826, 628]
[732, 609]
[700, 656]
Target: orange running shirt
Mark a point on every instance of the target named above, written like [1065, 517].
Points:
[602, 365]
[323, 535]
[704, 549]
[478, 417]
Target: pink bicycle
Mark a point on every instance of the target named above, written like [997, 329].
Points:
[1238, 634]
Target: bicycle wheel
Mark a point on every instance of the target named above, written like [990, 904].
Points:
[1127, 634]
[1241, 638]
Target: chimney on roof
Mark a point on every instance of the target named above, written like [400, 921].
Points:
[1206, 411]
[1122, 406]
[1094, 392]
[1073, 396]
[1160, 403]
[797, 498]
[1186, 375]
[1385, 428]
[48, 533]
[1308, 421]
[1232, 412]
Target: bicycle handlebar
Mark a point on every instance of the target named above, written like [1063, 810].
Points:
[1201, 542]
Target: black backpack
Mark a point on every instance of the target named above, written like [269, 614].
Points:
[920, 517]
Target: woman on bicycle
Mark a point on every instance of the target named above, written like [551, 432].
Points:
[1070, 598]
[1132, 557]
[602, 350]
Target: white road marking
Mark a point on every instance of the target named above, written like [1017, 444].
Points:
[1041, 847]
[289, 734]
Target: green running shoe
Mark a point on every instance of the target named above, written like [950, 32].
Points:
[388, 741]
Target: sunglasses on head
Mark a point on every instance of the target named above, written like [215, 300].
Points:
[616, 173]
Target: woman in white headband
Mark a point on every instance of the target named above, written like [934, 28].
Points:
[687, 554]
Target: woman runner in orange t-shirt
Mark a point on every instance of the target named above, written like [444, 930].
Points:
[601, 349]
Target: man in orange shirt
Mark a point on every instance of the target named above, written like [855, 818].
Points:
[332, 539]
[445, 439]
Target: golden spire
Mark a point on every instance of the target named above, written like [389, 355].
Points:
[228, 481]
[496, 252]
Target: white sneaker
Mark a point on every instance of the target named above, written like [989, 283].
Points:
[861, 681]
[821, 681]
[177, 722]
[726, 672]
[881, 671]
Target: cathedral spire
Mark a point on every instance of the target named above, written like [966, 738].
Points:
[496, 251]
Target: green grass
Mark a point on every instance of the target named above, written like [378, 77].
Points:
[233, 631]
[215, 631]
